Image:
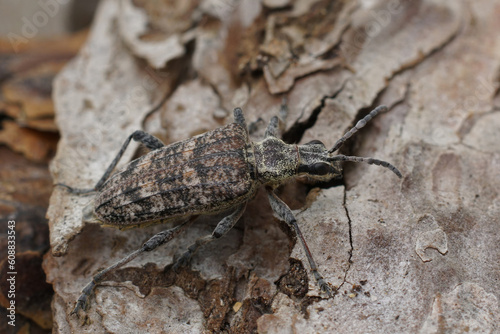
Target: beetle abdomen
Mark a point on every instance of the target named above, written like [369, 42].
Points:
[204, 174]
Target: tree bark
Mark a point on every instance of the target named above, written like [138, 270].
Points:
[416, 255]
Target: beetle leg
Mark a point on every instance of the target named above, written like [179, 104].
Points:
[153, 243]
[273, 129]
[239, 118]
[144, 138]
[222, 228]
[283, 114]
[284, 212]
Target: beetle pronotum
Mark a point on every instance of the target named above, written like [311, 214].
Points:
[217, 171]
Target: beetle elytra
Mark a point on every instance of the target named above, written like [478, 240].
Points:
[217, 171]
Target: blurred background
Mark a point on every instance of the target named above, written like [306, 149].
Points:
[37, 38]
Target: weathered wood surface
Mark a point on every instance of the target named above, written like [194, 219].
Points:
[416, 255]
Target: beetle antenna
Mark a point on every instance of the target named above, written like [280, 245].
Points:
[370, 161]
[357, 127]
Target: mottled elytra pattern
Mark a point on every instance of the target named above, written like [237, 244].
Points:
[206, 173]
[218, 170]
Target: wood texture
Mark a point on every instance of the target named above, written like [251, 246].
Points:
[417, 255]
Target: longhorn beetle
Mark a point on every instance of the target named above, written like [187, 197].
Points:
[217, 171]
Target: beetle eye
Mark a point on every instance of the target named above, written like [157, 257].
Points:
[315, 142]
[320, 168]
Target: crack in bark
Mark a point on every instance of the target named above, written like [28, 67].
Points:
[413, 64]
[404, 99]
[181, 69]
[297, 130]
[351, 250]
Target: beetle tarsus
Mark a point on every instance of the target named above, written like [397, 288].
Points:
[326, 288]
[80, 305]
[182, 261]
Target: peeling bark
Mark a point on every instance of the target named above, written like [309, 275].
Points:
[416, 255]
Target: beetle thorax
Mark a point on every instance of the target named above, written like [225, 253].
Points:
[275, 161]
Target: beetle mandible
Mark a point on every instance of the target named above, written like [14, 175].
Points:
[217, 171]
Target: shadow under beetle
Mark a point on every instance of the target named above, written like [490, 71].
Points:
[216, 171]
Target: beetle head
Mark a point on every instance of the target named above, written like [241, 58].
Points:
[321, 164]
[314, 162]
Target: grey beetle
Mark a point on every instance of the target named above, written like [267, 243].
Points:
[217, 171]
